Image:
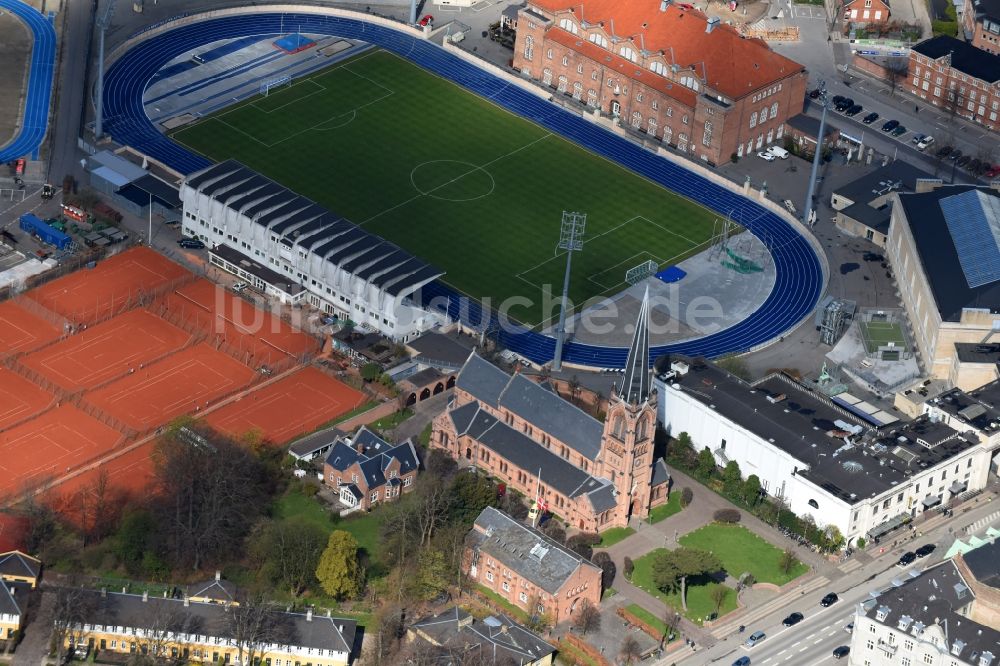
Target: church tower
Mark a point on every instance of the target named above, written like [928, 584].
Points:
[627, 443]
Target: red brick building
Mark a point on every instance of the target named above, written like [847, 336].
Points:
[365, 469]
[527, 568]
[981, 23]
[593, 475]
[664, 69]
[866, 12]
[957, 77]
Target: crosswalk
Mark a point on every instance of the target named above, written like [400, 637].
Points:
[850, 565]
[983, 523]
[728, 627]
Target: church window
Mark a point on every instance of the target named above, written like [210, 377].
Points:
[619, 427]
[641, 431]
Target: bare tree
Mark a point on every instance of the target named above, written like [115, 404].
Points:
[896, 70]
[431, 502]
[630, 651]
[671, 620]
[588, 618]
[162, 620]
[254, 623]
[72, 608]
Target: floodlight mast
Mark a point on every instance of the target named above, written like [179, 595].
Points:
[103, 23]
[570, 240]
[809, 210]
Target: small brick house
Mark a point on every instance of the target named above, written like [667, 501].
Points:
[525, 567]
[866, 12]
[366, 469]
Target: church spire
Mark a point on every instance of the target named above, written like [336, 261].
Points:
[635, 385]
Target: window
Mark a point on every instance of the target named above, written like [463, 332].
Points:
[658, 68]
[763, 115]
[563, 83]
[668, 133]
[651, 128]
[628, 53]
[548, 54]
[570, 26]
[600, 40]
[489, 576]
[529, 47]
[636, 119]
[655, 105]
[774, 110]
[591, 97]
[928, 658]
[690, 82]
[706, 139]
[374, 496]
[753, 119]
[638, 97]
[523, 597]
[814, 504]
[579, 68]
[684, 119]
[506, 586]
[577, 90]
[547, 77]
[593, 75]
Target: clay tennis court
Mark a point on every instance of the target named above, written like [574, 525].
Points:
[20, 398]
[184, 383]
[91, 294]
[50, 445]
[21, 330]
[289, 407]
[129, 477]
[107, 350]
[241, 325]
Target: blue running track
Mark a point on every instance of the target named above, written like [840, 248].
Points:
[36, 104]
[799, 273]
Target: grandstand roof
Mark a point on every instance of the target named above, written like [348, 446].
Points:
[733, 65]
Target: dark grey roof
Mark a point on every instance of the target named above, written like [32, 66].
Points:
[979, 408]
[217, 588]
[510, 11]
[315, 443]
[482, 379]
[8, 600]
[635, 384]
[548, 412]
[984, 562]
[939, 596]
[130, 610]
[898, 176]
[660, 473]
[939, 257]
[498, 639]
[524, 452]
[965, 57]
[987, 8]
[254, 267]
[16, 563]
[342, 456]
[353, 489]
[165, 193]
[534, 556]
[874, 218]
[374, 458]
[809, 427]
[425, 376]
[974, 352]
[809, 126]
[294, 217]
[438, 348]
[603, 499]
[374, 468]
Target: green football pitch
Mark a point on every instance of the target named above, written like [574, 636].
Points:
[456, 180]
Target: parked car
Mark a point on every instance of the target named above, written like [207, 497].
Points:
[975, 165]
[191, 244]
[870, 118]
[890, 125]
[854, 110]
[955, 154]
[837, 99]
[766, 156]
[844, 104]
[755, 638]
[829, 600]
[427, 20]
[849, 628]
[814, 93]
[900, 131]
[780, 153]
[742, 661]
[841, 652]
[962, 161]
[917, 138]
[925, 142]
[906, 559]
[944, 151]
[792, 619]
[925, 550]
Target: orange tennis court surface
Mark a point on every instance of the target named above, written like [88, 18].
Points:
[289, 407]
[20, 398]
[91, 294]
[21, 330]
[129, 474]
[267, 337]
[49, 446]
[183, 383]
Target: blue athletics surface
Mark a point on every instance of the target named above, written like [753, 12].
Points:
[799, 276]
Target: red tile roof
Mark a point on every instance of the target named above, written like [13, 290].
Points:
[626, 67]
[733, 65]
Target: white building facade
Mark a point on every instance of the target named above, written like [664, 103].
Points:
[292, 249]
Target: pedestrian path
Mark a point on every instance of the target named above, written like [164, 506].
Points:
[734, 620]
[983, 523]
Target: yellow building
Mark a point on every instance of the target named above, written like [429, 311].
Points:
[10, 612]
[16, 567]
[203, 632]
[494, 640]
[215, 591]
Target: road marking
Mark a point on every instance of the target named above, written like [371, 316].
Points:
[819, 640]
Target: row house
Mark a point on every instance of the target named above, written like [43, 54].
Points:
[664, 69]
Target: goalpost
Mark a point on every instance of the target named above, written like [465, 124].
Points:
[265, 86]
[640, 272]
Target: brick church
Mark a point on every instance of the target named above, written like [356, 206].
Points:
[593, 475]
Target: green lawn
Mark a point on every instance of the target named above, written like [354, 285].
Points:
[741, 550]
[699, 600]
[471, 188]
[614, 535]
[647, 617]
[391, 421]
[672, 506]
[295, 504]
[509, 608]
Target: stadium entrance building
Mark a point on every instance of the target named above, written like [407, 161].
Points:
[292, 249]
[595, 476]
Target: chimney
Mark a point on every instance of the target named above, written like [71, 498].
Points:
[340, 628]
[187, 601]
[218, 575]
[145, 596]
[309, 615]
[663, 5]
[713, 22]
[12, 591]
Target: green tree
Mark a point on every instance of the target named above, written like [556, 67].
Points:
[751, 490]
[681, 449]
[672, 568]
[288, 553]
[339, 572]
[432, 574]
[732, 478]
[371, 371]
[471, 494]
[133, 539]
[706, 463]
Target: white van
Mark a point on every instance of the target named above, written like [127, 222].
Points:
[780, 153]
[925, 142]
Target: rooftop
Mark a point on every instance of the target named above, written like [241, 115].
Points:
[315, 442]
[441, 349]
[898, 176]
[930, 607]
[979, 408]
[257, 269]
[810, 126]
[939, 254]
[499, 637]
[837, 452]
[730, 64]
[16, 563]
[965, 57]
[984, 563]
[974, 352]
[534, 556]
[873, 218]
[988, 8]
